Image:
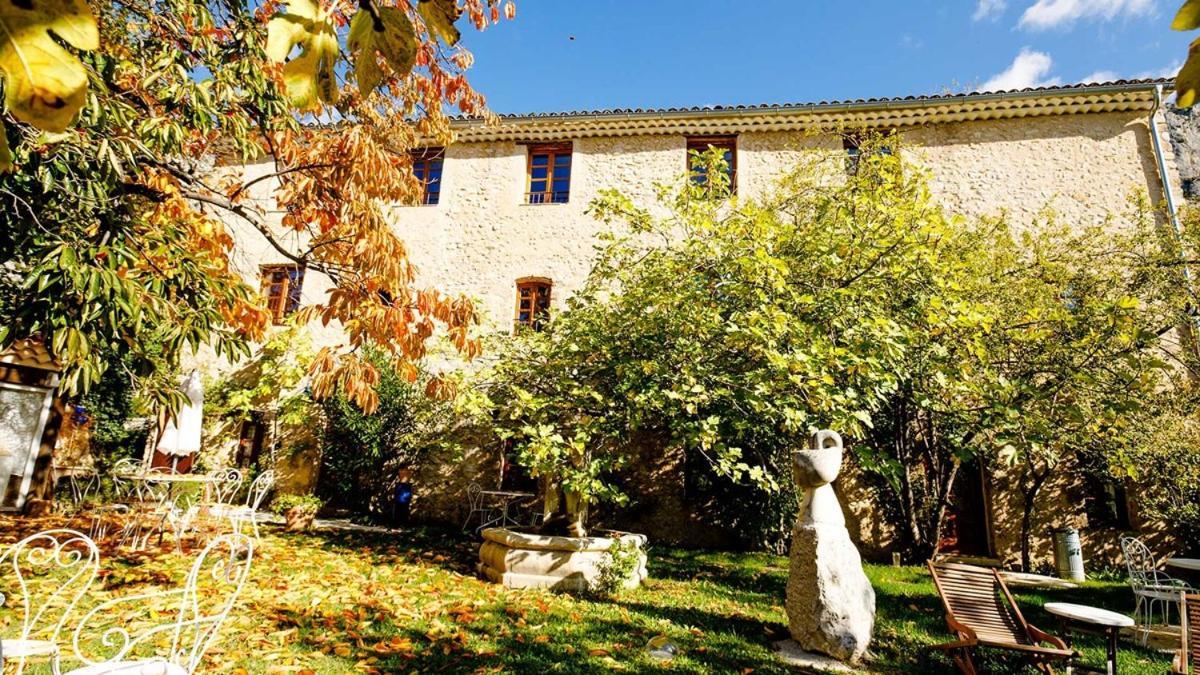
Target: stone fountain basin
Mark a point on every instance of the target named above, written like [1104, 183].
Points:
[520, 560]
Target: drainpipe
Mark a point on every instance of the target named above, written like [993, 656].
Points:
[1190, 332]
[1160, 157]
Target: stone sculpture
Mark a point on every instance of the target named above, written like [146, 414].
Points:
[830, 601]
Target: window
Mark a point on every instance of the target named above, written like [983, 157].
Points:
[533, 302]
[1107, 504]
[250, 440]
[549, 174]
[281, 284]
[698, 145]
[427, 168]
[854, 144]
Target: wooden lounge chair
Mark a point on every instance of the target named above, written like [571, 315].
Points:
[981, 611]
[1189, 651]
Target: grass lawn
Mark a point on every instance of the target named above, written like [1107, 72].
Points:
[409, 602]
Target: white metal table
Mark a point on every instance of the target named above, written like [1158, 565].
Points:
[1085, 619]
[504, 500]
[1190, 564]
[171, 480]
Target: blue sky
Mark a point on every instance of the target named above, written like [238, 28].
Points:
[658, 53]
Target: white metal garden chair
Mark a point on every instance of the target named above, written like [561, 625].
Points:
[48, 572]
[149, 507]
[224, 488]
[199, 609]
[1151, 586]
[478, 507]
[124, 494]
[248, 513]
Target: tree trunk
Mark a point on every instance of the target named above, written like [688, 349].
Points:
[939, 511]
[1028, 500]
[577, 511]
[551, 500]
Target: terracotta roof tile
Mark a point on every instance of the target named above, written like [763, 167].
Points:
[29, 352]
[931, 98]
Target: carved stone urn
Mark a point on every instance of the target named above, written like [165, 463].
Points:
[830, 601]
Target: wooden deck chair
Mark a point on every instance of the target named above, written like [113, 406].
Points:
[1188, 657]
[982, 612]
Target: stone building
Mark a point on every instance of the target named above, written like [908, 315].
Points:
[504, 219]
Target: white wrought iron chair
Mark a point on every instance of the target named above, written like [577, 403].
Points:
[1151, 586]
[224, 488]
[124, 494]
[478, 507]
[48, 572]
[149, 507]
[74, 488]
[259, 489]
[177, 647]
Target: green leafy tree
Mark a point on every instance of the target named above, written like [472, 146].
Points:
[731, 329]
[363, 452]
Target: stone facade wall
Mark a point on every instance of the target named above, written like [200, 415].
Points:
[482, 237]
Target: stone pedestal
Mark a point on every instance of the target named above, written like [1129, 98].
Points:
[830, 602]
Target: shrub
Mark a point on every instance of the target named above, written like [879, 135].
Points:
[362, 453]
[284, 503]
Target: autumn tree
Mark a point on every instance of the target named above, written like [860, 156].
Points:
[114, 228]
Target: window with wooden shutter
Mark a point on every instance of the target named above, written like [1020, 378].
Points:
[427, 168]
[862, 144]
[281, 284]
[698, 145]
[533, 302]
[549, 174]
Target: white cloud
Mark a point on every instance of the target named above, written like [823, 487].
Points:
[1045, 14]
[1169, 71]
[989, 9]
[1100, 76]
[1029, 69]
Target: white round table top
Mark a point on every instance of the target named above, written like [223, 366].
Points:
[1184, 563]
[1085, 614]
[153, 477]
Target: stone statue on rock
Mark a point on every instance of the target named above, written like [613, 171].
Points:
[830, 601]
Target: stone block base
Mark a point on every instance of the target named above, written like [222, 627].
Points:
[519, 560]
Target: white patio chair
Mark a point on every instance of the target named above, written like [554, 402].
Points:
[48, 572]
[74, 488]
[224, 488]
[477, 505]
[124, 494]
[1151, 586]
[177, 647]
[259, 489]
[149, 506]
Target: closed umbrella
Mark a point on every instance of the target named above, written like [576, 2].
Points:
[181, 437]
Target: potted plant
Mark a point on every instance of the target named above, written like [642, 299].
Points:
[298, 511]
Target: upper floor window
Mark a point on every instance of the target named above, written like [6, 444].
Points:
[427, 168]
[859, 145]
[533, 302]
[698, 145]
[282, 284]
[549, 174]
